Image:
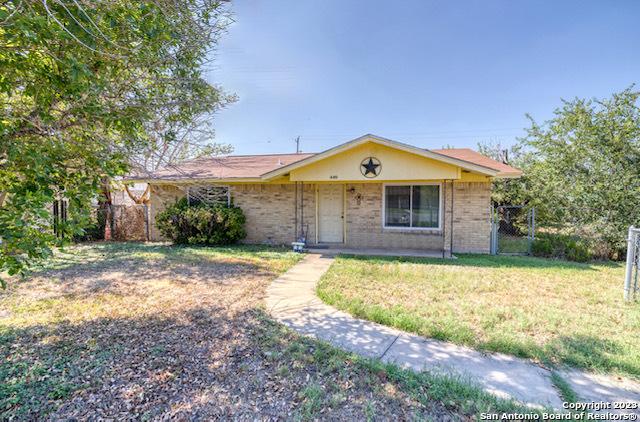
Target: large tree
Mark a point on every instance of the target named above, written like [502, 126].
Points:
[81, 83]
[582, 169]
[170, 143]
[508, 191]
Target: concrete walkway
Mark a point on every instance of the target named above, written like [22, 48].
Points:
[291, 299]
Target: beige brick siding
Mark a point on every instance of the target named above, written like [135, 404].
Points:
[271, 211]
[160, 197]
[471, 228]
[364, 223]
[471, 216]
[271, 215]
[309, 212]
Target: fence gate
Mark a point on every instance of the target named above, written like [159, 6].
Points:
[512, 229]
[633, 261]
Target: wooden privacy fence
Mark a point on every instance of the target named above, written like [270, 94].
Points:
[131, 222]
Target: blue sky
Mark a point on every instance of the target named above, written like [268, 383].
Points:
[422, 72]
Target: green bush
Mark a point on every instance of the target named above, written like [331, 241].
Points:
[201, 224]
[542, 246]
[561, 246]
[95, 227]
[579, 252]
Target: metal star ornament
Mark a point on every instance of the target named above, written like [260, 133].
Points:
[370, 167]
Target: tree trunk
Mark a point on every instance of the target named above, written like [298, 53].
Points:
[144, 198]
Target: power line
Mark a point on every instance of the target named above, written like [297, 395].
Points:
[453, 134]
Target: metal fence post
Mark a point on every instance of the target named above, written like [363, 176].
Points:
[532, 230]
[630, 255]
[496, 221]
[496, 228]
[492, 220]
[533, 223]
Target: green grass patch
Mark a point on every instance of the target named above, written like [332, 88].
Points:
[96, 254]
[312, 399]
[567, 393]
[513, 244]
[556, 312]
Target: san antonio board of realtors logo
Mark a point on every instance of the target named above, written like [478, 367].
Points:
[370, 167]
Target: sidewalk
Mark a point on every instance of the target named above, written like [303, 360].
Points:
[291, 299]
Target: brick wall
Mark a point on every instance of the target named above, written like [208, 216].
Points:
[271, 211]
[271, 216]
[471, 223]
[471, 216]
[364, 223]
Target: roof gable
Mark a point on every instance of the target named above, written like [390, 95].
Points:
[392, 165]
[487, 171]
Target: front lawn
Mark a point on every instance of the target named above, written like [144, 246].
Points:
[155, 332]
[549, 310]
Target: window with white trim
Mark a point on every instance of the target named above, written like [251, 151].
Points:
[412, 206]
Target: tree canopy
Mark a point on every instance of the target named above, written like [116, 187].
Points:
[83, 86]
[582, 169]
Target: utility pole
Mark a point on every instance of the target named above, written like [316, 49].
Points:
[504, 156]
[297, 141]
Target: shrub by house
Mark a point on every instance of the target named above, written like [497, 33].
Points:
[201, 224]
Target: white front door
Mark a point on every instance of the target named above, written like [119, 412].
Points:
[330, 213]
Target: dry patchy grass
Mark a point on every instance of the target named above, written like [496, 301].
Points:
[553, 311]
[154, 332]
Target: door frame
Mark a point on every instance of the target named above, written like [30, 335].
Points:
[344, 212]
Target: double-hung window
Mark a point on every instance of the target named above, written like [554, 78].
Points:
[412, 206]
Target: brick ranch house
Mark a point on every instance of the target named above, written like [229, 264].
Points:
[370, 192]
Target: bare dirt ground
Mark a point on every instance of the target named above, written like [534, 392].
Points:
[144, 332]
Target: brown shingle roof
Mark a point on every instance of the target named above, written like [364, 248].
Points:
[233, 166]
[471, 156]
[254, 166]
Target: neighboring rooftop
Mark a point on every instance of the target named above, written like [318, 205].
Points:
[471, 156]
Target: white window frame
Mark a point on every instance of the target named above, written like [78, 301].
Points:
[410, 228]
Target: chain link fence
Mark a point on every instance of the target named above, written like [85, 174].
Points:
[633, 261]
[512, 230]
